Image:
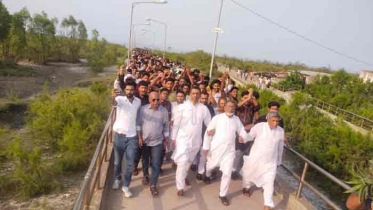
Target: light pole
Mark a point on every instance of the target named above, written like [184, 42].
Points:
[217, 30]
[165, 34]
[133, 6]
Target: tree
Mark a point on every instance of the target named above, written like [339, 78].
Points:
[5, 20]
[42, 29]
[15, 43]
[96, 49]
[77, 36]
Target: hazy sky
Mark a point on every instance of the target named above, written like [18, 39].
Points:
[343, 25]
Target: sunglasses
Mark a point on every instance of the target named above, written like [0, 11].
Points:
[155, 100]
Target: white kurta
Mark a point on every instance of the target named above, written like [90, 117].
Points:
[187, 130]
[222, 145]
[265, 155]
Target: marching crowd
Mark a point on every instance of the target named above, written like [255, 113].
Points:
[166, 111]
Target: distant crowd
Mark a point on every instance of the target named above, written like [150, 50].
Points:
[167, 111]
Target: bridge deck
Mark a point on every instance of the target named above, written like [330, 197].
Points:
[198, 196]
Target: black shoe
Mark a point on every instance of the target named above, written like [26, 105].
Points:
[193, 168]
[224, 200]
[199, 177]
[207, 180]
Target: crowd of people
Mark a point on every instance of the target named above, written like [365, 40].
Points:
[166, 111]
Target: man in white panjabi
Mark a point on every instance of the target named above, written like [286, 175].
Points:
[219, 146]
[266, 154]
[187, 135]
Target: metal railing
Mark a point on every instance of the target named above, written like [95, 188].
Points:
[91, 181]
[302, 177]
[351, 117]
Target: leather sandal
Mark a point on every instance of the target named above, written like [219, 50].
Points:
[246, 192]
[153, 190]
[145, 181]
[224, 200]
[180, 193]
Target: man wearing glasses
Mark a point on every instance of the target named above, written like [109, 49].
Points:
[153, 131]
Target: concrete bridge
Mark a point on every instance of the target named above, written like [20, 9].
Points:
[96, 192]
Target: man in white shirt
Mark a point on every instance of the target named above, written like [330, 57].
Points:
[266, 154]
[219, 146]
[126, 140]
[187, 135]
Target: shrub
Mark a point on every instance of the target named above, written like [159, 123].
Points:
[30, 174]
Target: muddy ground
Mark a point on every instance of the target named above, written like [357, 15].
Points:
[16, 93]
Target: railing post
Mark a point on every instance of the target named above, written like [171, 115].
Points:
[362, 123]
[87, 198]
[301, 179]
[98, 168]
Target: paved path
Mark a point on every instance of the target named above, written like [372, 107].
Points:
[197, 197]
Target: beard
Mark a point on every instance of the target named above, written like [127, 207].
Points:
[129, 95]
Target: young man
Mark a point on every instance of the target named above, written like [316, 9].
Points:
[219, 146]
[125, 141]
[187, 135]
[233, 94]
[153, 131]
[201, 157]
[142, 92]
[266, 155]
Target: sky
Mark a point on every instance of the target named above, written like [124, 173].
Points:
[344, 26]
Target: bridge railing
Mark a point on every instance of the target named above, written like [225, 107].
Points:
[91, 181]
[351, 117]
[303, 183]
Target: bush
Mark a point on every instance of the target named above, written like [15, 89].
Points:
[68, 121]
[330, 144]
[30, 174]
[49, 116]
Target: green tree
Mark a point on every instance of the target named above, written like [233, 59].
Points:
[5, 23]
[76, 33]
[42, 30]
[16, 44]
[96, 49]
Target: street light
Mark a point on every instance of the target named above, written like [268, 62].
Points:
[216, 30]
[165, 34]
[133, 6]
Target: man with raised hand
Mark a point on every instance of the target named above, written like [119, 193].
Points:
[219, 146]
[125, 141]
[187, 135]
[260, 166]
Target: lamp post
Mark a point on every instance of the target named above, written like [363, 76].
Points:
[133, 6]
[165, 34]
[216, 30]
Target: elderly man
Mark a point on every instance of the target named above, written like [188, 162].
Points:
[125, 141]
[187, 135]
[153, 131]
[266, 154]
[220, 149]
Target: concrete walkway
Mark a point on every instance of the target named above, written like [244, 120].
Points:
[198, 196]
